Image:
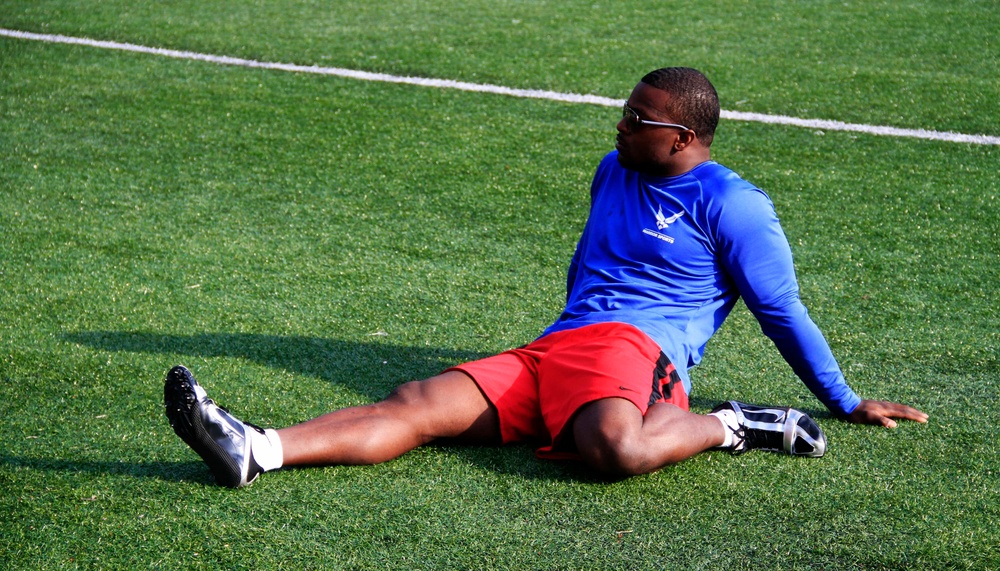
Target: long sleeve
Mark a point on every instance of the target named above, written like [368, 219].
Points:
[757, 257]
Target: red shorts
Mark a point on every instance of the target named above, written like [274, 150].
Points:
[537, 388]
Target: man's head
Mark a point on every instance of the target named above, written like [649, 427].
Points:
[693, 100]
[668, 122]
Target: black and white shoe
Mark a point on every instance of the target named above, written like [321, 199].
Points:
[222, 440]
[780, 429]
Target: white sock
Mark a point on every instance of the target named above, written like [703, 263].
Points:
[730, 423]
[267, 450]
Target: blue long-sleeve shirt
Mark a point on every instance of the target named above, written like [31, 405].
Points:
[672, 255]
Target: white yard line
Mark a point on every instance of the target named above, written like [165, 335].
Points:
[825, 125]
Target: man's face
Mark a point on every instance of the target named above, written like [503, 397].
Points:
[647, 148]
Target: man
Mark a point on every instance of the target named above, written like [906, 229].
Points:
[672, 241]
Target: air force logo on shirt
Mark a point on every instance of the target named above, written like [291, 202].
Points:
[662, 223]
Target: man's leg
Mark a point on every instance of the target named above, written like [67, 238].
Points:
[614, 437]
[448, 406]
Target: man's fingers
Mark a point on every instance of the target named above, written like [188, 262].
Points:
[883, 413]
[896, 410]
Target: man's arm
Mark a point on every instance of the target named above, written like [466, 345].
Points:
[759, 259]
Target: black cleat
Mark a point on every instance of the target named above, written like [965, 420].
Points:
[222, 440]
[780, 429]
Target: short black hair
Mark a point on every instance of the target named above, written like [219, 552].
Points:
[693, 100]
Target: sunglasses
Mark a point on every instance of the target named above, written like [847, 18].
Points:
[633, 121]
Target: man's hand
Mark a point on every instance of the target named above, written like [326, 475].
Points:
[883, 412]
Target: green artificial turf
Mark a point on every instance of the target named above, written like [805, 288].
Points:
[304, 243]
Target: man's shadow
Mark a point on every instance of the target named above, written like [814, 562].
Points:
[371, 369]
[187, 471]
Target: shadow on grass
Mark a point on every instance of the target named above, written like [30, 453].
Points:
[371, 369]
[191, 471]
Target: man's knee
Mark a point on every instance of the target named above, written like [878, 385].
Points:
[447, 391]
[612, 454]
[449, 405]
[410, 393]
[610, 442]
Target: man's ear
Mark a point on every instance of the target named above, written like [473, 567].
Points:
[684, 139]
